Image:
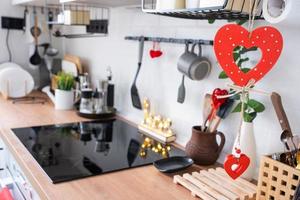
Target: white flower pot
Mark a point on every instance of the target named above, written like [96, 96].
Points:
[170, 4]
[64, 100]
[248, 147]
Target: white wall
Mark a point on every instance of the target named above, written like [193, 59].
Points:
[159, 79]
[18, 47]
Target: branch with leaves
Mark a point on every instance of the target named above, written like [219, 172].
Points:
[252, 106]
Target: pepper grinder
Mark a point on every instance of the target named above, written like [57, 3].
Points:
[103, 85]
[110, 89]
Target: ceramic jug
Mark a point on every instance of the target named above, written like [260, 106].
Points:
[203, 147]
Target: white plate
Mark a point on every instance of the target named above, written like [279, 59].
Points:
[9, 64]
[69, 67]
[15, 82]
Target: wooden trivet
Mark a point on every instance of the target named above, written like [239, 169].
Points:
[215, 184]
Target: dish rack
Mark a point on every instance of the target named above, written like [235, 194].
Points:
[230, 10]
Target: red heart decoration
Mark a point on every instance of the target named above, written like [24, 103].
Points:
[155, 54]
[242, 164]
[267, 38]
[217, 102]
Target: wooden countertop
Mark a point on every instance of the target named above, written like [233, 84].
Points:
[139, 183]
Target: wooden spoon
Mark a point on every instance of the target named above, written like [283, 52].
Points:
[283, 120]
[206, 111]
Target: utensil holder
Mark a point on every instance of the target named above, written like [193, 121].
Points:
[203, 147]
[276, 180]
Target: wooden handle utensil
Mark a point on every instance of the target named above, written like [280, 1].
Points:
[206, 111]
[222, 113]
[281, 115]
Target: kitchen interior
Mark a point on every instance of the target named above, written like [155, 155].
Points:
[149, 99]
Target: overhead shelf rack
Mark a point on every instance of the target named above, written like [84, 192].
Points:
[97, 13]
[230, 10]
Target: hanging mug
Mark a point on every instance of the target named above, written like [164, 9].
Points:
[194, 66]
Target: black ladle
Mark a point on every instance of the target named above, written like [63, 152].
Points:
[35, 59]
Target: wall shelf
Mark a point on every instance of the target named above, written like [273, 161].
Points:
[221, 12]
[202, 15]
[93, 3]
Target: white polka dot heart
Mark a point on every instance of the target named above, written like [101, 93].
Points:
[268, 39]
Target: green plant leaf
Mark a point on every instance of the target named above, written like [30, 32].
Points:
[241, 22]
[245, 50]
[245, 70]
[237, 108]
[223, 75]
[211, 21]
[236, 56]
[65, 81]
[257, 106]
[249, 117]
[241, 61]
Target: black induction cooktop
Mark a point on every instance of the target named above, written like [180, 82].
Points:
[77, 150]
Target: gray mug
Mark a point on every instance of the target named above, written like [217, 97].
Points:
[201, 66]
[186, 60]
[192, 65]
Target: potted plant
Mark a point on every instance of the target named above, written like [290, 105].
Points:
[64, 94]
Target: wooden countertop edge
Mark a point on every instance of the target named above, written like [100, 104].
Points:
[23, 158]
[16, 148]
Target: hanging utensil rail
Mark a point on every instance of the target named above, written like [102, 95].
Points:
[170, 40]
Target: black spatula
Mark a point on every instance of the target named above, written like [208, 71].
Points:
[135, 97]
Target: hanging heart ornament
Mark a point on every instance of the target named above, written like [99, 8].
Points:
[268, 39]
[217, 102]
[155, 52]
[236, 166]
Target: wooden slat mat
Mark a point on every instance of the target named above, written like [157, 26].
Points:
[215, 184]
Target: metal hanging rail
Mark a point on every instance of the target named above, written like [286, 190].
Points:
[170, 40]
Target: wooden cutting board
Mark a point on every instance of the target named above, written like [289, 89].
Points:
[76, 60]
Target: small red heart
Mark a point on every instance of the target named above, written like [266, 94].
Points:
[241, 164]
[268, 39]
[217, 102]
[155, 53]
